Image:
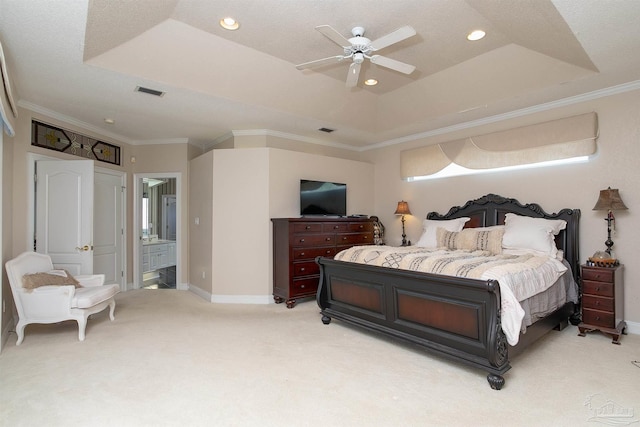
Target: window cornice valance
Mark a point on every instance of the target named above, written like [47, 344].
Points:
[8, 110]
[554, 140]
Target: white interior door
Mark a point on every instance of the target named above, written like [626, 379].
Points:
[64, 213]
[108, 230]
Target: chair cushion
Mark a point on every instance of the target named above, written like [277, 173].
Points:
[88, 297]
[50, 278]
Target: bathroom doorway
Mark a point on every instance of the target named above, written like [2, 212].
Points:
[157, 265]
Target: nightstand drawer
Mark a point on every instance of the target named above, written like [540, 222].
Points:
[598, 303]
[599, 275]
[602, 289]
[604, 319]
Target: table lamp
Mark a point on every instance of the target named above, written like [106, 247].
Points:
[608, 200]
[403, 209]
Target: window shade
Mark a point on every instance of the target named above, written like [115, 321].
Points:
[555, 140]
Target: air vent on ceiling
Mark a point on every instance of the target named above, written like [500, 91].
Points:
[149, 91]
[327, 130]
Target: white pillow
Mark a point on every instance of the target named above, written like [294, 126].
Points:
[429, 227]
[522, 232]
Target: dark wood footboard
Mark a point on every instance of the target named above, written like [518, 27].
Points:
[451, 316]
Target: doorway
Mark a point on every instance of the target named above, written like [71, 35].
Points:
[157, 260]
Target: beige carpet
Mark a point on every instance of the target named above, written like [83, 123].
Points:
[172, 359]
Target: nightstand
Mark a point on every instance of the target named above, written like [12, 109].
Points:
[602, 301]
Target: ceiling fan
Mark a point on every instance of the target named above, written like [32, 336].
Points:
[358, 48]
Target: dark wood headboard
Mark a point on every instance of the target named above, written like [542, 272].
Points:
[491, 210]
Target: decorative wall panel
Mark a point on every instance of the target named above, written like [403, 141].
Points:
[66, 141]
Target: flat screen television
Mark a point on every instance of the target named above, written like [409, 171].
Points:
[321, 198]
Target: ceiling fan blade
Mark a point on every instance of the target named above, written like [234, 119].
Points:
[333, 35]
[319, 62]
[354, 73]
[393, 37]
[393, 64]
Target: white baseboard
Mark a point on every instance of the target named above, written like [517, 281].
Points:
[231, 299]
[242, 299]
[633, 328]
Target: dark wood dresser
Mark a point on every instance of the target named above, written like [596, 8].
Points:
[298, 241]
[602, 301]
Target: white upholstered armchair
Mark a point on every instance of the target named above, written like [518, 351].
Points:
[52, 296]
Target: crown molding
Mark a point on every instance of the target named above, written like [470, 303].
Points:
[601, 93]
[75, 122]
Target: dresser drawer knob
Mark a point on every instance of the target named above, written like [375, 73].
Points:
[302, 286]
[598, 288]
[597, 302]
[302, 269]
[328, 239]
[307, 227]
[335, 227]
[597, 317]
[301, 240]
[328, 251]
[302, 253]
[361, 227]
[344, 238]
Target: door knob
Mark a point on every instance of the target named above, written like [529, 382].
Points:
[85, 248]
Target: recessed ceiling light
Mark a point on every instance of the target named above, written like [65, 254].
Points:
[371, 82]
[476, 35]
[229, 23]
[109, 121]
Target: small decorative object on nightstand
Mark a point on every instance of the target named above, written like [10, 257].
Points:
[602, 301]
[403, 209]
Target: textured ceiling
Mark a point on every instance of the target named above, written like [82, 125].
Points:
[83, 59]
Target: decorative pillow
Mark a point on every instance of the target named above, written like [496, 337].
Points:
[50, 278]
[472, 239]
[429, 227]
[536, 234]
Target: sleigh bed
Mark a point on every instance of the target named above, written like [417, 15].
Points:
[456, 317]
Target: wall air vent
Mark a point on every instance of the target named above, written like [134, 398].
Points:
[327, 130]
[149, 91]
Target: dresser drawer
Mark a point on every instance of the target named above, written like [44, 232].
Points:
[602, 289]
[361, 226]
[307, 227]
[306, 286]
[354, 239]
[312, 253]
[598, 303]
[313, 240]
[335, 227]
[599, 275]
[604, 319]
[305, 268]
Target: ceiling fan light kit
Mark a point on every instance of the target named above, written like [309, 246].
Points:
[358, 48]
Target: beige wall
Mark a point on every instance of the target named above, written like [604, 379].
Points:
[554, 188]
[200, 196]
[247, 188]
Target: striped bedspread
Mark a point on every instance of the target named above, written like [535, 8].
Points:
[520, 276]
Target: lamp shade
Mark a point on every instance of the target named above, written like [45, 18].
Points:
[403, 208]
[609, 200]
